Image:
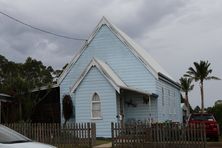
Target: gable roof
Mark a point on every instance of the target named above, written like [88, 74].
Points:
[143, 55]
[109, 74]
[139, 52]
[105, 70]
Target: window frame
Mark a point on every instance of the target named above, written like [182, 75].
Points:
[163, 97]
[92, 102]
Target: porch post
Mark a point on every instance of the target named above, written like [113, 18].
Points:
[121, 112]
[150, 111]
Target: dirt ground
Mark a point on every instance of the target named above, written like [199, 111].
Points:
[214, 145]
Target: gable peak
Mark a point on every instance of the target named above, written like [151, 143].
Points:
[104, 21]
[139, 52]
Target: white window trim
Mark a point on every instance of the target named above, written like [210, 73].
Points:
[174, 104]
[163, 97]
[170, 100]
[91, 102]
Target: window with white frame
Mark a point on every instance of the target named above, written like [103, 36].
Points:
[174, 103]
[162, 96]
[169, 102]
[96, 106]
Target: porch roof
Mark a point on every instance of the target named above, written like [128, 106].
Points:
[109, 74]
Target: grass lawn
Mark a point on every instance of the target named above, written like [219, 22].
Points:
[102, 141]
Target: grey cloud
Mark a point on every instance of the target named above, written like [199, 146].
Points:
[147, 15]
[77, 19]
[176, 32]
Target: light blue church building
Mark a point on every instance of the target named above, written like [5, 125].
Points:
[112, 79]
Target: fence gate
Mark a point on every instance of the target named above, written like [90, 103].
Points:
[165, 135]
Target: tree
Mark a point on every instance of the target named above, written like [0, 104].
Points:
[196, 109]
[3, 65]
[56, 74]
[18, 80]
[36, 73]
[67, 108]
[216, 110]
[186, 86]
[201, 72]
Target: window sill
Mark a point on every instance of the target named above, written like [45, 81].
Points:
[96, 118]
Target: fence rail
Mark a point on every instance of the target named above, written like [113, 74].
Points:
[71, 135]
[165, 135]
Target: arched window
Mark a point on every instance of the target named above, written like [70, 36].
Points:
[96, 106]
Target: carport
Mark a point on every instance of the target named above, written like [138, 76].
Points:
[3, 99]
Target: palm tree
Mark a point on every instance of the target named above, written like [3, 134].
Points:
[186, 86]
[201, 72]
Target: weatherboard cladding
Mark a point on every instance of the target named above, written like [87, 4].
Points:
[96, 82]
[170, 108]
[107, 47]
[140, 112]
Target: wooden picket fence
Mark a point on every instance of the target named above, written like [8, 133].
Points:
[71, 135]
[165, 135]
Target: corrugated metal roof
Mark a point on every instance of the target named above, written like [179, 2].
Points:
[5, 97]
[148, 60]
[150, 63]
[45, 87]
[110, 73]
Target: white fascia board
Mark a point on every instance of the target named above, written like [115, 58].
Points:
[116, 82]
[131, 47]
[136, 90]
[73, 61]
[109, 79]
[103, 71]
[83, 74]
[139, 52]
[81, 50]
[108, 71]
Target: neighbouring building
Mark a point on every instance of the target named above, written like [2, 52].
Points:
[8, 108]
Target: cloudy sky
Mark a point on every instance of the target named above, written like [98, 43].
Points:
[175, 32]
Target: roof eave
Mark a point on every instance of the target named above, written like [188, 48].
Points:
[94, 62]
[45, 87]
[80, 51]
[168, 80]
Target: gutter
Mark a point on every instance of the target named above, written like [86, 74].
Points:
[169, 81]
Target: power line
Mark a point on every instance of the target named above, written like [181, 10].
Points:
[45, 31]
